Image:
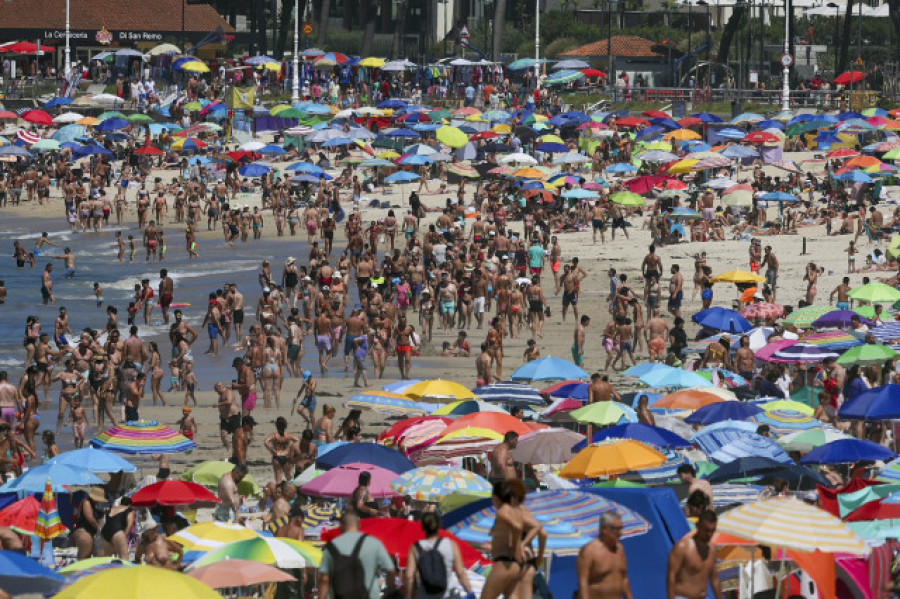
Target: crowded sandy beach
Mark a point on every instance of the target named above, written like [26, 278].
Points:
[486, 349]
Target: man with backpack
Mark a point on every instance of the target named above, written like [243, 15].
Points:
[351, 562]
[434, 566]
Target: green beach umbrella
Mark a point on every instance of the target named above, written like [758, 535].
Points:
[292, 113]
[140, 118]
[803, 318]
[869, 311]
[281, 552]
[874, 292]
[452, 136]
[111, 114]
[868, 353]
[600, 413]
[45, 145]
[627, 198]
[808, 440]
[619, 484]
[209, 473]
[442, 113]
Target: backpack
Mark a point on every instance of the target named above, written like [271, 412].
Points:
[348, 580]
[432, 570]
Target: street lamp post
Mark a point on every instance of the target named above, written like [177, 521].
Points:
[68, 65]
[537, 45]
[836, 8]
[609, 65]
[786, 71]
[295, 84]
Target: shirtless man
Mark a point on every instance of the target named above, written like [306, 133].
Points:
[601, 390]
[69, 258]
[657, 332]
[676, 291]
[404, 347]
[598, 222]
[771, 263]
[150, 240]
[503, 467]
[571, 280]
[692, 562]
[227, 491]
[135, 350]
[744, 359]
[9, 399]
[324, 341]
[688, 476]
[166, 293]
[240, 441]
[483, 364]
[578, 340]
[650, 267]
[229, 412]
[842, 291]
[602, 566]
[535, 296]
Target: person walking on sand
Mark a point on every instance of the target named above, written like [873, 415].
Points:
[602, 565]
[578, 341]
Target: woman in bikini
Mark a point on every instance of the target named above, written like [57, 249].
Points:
[379, 354]
[157, 373]
[305, 452]
[30, 420]
[325, 425]
[525, 588]
[271, 373]
[811, 277]
[509, 537]
[280, 444]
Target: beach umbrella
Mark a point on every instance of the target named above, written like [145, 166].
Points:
[385, 402]
[800, 353]
[366, 453]
[195, 66]
[438, 389]
[627, 198]
[765, 467]
[68, 118]
[569, 516]
[496, 422]
[187, 144]
[467, 406]
[784, 422]
[143, 437]
[726, 410]
[848, 77]
[802, 318]
[209, 474]
[715, 436]
[398, 535]
[62, 476]
[848, 451]
[738, 276]
[37, 116]
[548, 369]
[21, 516]
[603, 413]
[612, 456]
[48, 525]
[207, 536]
[139, 582]
[750, 446]
[401, 177]
[431, 483]
[688, 399]
[788, 523]
[840, 319]
[878, 403]
[762, 311]
[883, 509]
[452, 136]
[20, 575]
[238, 573]
[651, 435]
[547, 446]
[45, 145]
[510, 393]
[254, 170]
[722, 319]
[343, 480]
[874, 292]
[808, 440]
[673, 377]
[868, 353]
[172, 492]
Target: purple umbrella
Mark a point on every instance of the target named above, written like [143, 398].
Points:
[840, 319]
[802, 353]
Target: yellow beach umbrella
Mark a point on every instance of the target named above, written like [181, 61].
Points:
[88, 121]
[788, 405]
[502, 128]
[738, 276]
[372, 62]
[439, 389]
[207, 536]
[452, 136]
[683, 166]
[195, 66]
[789, 523]
[279, 108]
[613, 456]
[139, 582]
[389, 155]
[555, 139]
[681, 135]
[740, 198]
[271, 66]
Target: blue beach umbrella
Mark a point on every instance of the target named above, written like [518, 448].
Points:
[673, 377]
[59, 101]
[304, 167]
[61, 475]
[94, 460]
[848, 451]
[726, 410]
[401, 177]
[113, 124]
[20, 575]
[366, 453]
[715, 436]
[722, 319]
[750, 446]
[510, 393]
[548, 369]
[652, 435]
[878, 403]
[254, 170]
[385, 402]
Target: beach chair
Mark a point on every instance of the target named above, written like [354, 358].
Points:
[873, 234]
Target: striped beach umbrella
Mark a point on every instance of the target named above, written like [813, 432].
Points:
[385, 402]
[470, 441]
[802, 353]
[788, 523]
[431, 483]
[751, 446]
[510, 392]
[832, 340]
[888, 334]
[803, 318]
[274, 551]
[207, 536]
[783, 422]
[715, 436]
[467, 406]
[569, 517]
[48, 525]
[143, 437]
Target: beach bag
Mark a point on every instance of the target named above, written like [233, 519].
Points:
[348, 579]
[432, 570]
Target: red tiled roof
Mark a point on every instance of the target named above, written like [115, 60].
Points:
[115, 15]
[626, 46]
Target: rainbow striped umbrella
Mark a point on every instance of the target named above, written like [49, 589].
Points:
[207, 536]
[834, 340]
[274, 551]
[431, 483]
[48, 525]
[143, 437]
[784, 422]
[569, 517]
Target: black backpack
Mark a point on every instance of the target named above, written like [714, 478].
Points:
[348, 578]
[432, 569]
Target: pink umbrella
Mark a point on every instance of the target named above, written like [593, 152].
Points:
[343, 480]
[769, 349]
[762, 311]
[591, 186]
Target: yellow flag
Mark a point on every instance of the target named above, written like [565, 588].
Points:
[242, 98]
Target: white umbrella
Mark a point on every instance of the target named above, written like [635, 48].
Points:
[347, 113]
[68, 117]
[571, 158]
[720, 183]
[251, 146]
[547, 446]
[369, 111]
[164, 49]
[518, 158]
[107, 99]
